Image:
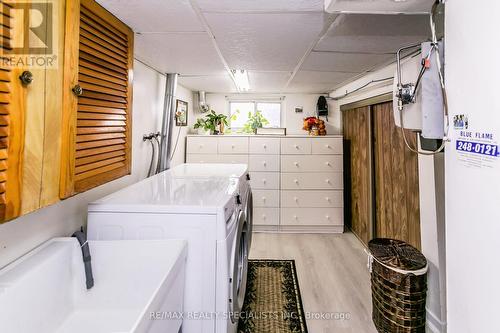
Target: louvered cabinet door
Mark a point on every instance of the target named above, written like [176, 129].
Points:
[11, 121]
[99, 140]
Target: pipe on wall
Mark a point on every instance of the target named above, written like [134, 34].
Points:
[167, 122]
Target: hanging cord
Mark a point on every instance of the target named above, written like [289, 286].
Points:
[176, 142]
[435, 48]
[153, 152]
[155, 137]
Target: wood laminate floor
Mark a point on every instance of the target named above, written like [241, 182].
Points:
[332, 274]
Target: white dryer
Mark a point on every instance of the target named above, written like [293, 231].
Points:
[219, 170]
[203, 211]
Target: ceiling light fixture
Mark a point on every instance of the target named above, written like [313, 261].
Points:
[240, 77]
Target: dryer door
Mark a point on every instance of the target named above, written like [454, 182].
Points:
[249, 217]
[239, 260]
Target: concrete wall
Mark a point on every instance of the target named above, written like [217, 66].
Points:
[473, 192]
[431, 186]
[25, 233]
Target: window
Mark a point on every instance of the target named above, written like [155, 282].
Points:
[240, 112]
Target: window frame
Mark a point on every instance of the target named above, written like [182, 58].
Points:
[255, 102]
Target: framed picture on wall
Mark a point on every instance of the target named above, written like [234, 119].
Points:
[181, 113]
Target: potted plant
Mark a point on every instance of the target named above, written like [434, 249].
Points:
[256, 120]
[212, 123]
[202, 127]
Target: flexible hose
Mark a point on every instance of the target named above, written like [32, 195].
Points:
[153, 153]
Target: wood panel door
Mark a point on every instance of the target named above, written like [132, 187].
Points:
[357, 134]
[397, 212]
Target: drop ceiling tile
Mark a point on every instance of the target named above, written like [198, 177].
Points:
[267, 82]
[188, 54]
[344, 62]
[379, 6]
[304, 88]
[265, 42]
[261, 5]
[155, 15]
[322, 77]
[212, 83]
[374, 33]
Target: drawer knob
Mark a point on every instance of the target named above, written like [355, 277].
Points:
[328, 181]
[327, 199]
[201, 145]
[264, 216]
[264, 199]
[264, 145]
[296, 199]
[328, 163]
[232, 146]
[295, 217]
[327, 217]
[296, 164]
[328, 146]
[296, 181]
[264, 163]
[264, 181]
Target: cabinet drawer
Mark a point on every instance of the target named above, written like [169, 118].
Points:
[312, 181]
[265, 180]
[270, 163]
[312, 199]
[266, 198]
[232, 159]
[266, 216]
[295, 146]
[311, 163]
[312, 216]
[264, 146]
[327, 145]
[202, 158]
[202, 145]
[233, 145]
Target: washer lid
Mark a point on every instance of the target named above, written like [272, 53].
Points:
[163, 193]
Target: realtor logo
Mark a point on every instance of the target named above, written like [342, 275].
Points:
[31, 28]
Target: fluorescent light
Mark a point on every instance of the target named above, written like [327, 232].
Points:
[241, 79]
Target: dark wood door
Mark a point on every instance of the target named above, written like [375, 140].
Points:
[357, 136]
[397, 212]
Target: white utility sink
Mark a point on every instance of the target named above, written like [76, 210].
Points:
[45, 291]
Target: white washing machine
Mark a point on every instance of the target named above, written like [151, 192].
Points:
[204, 211]
[219, 170]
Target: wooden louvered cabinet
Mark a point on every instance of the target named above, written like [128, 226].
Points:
[11, 122]
[97, 98]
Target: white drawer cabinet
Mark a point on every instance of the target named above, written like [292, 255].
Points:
[327, 146]
[297, 181]
[312, 199]
[233, 158]
[265, 163]
[266, 198]
[312, 216]
[202, 158]
[233, 145]
[202, 145]
[266, 216]
[295, 146]
[265, 180]
[312, 181]
[264, 146]
[307, 163]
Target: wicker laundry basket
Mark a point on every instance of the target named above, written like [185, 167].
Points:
[399, 286]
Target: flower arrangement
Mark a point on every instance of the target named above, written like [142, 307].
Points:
[212, 123]
[314, 126]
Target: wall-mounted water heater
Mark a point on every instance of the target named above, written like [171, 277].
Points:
[418, 92]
